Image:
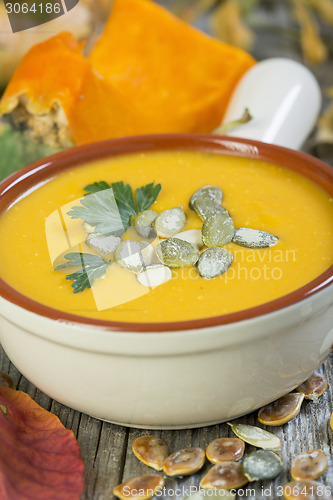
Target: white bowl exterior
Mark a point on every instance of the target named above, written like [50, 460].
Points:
[176, 379]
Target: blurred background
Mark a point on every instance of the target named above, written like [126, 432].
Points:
[299, 29]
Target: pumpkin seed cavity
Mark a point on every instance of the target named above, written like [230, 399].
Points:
[150, 450]
[254, 238]
[225, 450]
[154, 275]
[204, 208]
[309, 465]
[170, 222]
[143, 223]
[148, 485]
[256, 436]
[213, 193]
[313, 387]
[214, 262]
[282, 410]
[226, 475]
[133, 255]
[262, 465]
[184, 462]
[217, 230]
[174, 252]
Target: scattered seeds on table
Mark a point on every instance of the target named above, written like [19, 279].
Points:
[306, 490]
[225, 450]
[133, 255]
[103, 245]
[184, 462]
[170, 222]
[192, 236]
[208, 193]
[214, 262]
[154, 275]
[217, 230]
[205, 208]
[313, 387]
[143, 223]
[262, 465]
[151, 451]
[143, 487]
[256, 436]
[226, 475]
[6, 380]
[282, 410]
[309, 465]
[174, 252]
[254, 238]
[211, 493]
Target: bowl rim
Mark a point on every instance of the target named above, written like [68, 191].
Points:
[308, 166]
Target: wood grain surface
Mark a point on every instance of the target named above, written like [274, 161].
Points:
[106, 448]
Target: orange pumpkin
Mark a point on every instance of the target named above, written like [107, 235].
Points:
[149, 72]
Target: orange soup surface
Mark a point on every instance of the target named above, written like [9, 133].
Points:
[37, 233]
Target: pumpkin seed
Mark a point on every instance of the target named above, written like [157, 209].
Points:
[184, 462]
[225, 450]
[214, 262]
[226, 475]
[282, 410]
[261, 465]
[133, 255]
[154, 275]
[174, 252]
[331, 421]
[6, 380]
[309, 465]
[103, 245]
[151, 451]
[254, 238]
[193, 236]
[256, 436]
[211, 493]
[208, 193]
[170, 222]
[143, 223]
[217, 230]
[313, 387]
[306, 490]
[143, 487]
[205, 208]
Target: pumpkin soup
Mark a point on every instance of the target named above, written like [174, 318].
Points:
[134, 250]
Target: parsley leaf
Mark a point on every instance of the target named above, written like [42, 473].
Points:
[101, 210]
[92, 268]
[96, 186]
[147, 195]
[110, 207]
[124, 197]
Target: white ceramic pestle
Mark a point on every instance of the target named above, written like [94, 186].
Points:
[284, 99]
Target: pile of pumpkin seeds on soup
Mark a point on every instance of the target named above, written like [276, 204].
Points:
[175, 247]
[232, 467]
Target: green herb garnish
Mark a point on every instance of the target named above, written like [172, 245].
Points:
[109, 208]
[92, 267]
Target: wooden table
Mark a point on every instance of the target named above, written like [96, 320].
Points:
[106, 448]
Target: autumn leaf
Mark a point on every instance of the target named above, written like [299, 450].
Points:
[39, 458]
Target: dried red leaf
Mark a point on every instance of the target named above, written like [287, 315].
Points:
[39, 457]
